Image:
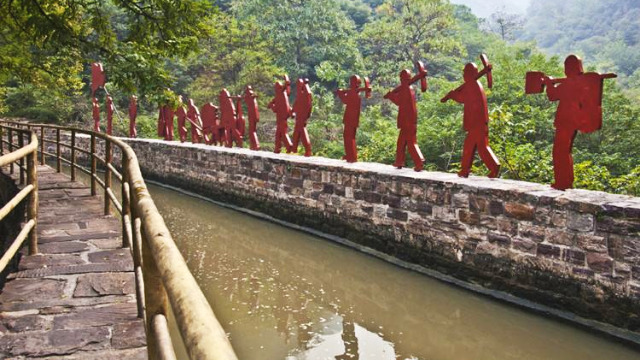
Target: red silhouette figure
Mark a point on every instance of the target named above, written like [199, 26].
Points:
[254, 116]
[210, 123]
[579, 109]
[404, 96]
[475, 120]
[133, 114]
[193, 116]
[240, 123]
[280, 106]
[96, 114]
[98, 77]
[165, 122]
[110, 110]
[228, 119]
[351, 119]
[302, 111]
[181, 114]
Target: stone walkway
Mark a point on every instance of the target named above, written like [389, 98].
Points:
[76, 299]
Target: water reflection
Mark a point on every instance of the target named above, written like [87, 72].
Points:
[282, 294]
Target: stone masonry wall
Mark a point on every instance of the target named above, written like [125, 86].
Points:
[575, 250]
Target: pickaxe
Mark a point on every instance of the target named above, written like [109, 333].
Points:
[366, 88]
[486, 70]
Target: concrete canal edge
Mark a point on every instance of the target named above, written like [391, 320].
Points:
[574, 255]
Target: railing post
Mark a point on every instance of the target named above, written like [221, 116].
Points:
[58, 159]
[1, 141]
[73, 155]
[126, 207]
[10, 139]
[32, 206]
[93, 165]
[20, 145]
[154, 294]
[42, 145]
[107, 177]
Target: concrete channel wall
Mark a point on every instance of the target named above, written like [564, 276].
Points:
[576, 250]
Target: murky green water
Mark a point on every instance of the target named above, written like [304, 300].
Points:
[282, 294]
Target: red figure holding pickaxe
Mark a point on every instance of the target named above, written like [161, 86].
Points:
[302, 111]
[280, 106]
[476, 118]
[193, 116]
[133, 114]
[254, 116]
[351, 119]
[96, 115]
[228, 118]
[210, 123]
[181, 114]
[404, 96]
[240, 124]
[110, 110]
[579, 109]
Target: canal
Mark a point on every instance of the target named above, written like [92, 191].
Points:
[284, 294]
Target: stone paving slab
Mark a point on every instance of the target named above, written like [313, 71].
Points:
[76, 298]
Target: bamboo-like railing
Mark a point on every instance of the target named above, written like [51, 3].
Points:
[162, 276]
[17, 153]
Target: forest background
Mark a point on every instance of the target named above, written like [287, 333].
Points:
[158, 49]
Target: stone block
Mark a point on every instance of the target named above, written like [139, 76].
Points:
[460, 200]
[128, 335]
[519, 211]
[397, 214]
[499, 239]
[549, 251]
[559, 237]
[533, 232]
[600, 263]
[580, 222]
[524, 245]
[105, 284]
[468, 217]
[591, 243]
[507, 226]
[575, 257]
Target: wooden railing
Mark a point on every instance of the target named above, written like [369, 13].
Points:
[17, 153]
[162, 275]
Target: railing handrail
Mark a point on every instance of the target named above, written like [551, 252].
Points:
[165, 274]
[28, 192]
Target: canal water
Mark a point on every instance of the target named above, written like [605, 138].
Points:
[284, 294]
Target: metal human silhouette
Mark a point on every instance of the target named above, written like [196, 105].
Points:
[228, 119]
[133, 114]
[98, 77]
[302, 108]
[181, 114]
[209, 116]
[110, 111]
[193, 116]
[351, 119]
[165, 122]
[250, 99]
[280, 106]
[579, 109]
[96, 114]
[476, 118]
[404, 96]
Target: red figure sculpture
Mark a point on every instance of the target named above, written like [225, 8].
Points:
[181, 114]
[254, 117]
[228, 119]
[193, 116]
[280, 106]
[579, 109]
[476, 118]
[133, 114]
[110, 110]
[209, 115]
[240, 124]
[165, 122]
[351, 119]
[404, 96]
[98, 77]
[96, 115]
[302, 111]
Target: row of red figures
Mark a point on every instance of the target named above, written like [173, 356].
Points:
[579, 96]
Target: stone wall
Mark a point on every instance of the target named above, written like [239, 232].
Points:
[576, 250]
